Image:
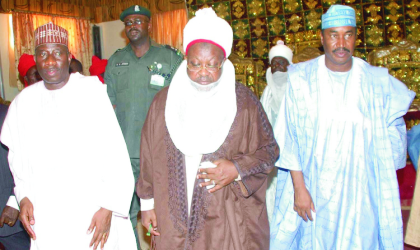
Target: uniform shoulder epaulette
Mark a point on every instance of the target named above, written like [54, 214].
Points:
[173, 49]
[121, 49]
[116, 54]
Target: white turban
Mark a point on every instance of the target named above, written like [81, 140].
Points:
[206, 26]
[281, 50]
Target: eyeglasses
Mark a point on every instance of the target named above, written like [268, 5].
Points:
[136, 22]
[209, 68]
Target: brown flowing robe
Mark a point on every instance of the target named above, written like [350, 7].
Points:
[234, 217]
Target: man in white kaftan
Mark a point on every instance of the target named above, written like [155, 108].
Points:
[68, 157]
[280, 57]
[345, 139]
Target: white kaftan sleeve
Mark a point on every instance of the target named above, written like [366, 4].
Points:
[147, 205]
[265, 102]
[12, 202]
[116, 186]
[10, 136]
[286, 132]
[279, 129]
[397, 104]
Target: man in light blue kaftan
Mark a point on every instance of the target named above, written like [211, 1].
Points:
[345, 139]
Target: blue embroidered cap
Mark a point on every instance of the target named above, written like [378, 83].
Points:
[339, 15]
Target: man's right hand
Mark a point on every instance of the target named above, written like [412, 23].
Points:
[26, 216]
[149, 217]
[303, 203]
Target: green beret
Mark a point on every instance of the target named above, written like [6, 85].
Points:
[135, 10]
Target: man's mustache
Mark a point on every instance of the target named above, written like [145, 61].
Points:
[203, 79]
[341, 49]
[134, 30]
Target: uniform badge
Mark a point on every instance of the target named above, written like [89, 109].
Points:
[136, 8]
[121, 64]
[157, 80]
[156, 70]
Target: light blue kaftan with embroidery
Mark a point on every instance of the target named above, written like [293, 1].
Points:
[346, 133]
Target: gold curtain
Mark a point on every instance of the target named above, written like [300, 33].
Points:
[168, 27]
[97, 11]
[80, 42]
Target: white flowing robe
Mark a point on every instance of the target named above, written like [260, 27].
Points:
[348, 139]
[277, 177]
[68, 156]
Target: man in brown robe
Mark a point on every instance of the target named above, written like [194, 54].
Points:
[206, 149]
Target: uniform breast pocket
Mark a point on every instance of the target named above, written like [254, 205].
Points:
[122, 78]
[158, 79]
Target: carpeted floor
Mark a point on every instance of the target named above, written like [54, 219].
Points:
[406, 181]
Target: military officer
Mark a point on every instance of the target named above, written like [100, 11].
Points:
[133, 76]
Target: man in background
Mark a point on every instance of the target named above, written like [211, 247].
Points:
[12, 234]
[133, 76]
[76, 66]
[280, 57]
[27, 70]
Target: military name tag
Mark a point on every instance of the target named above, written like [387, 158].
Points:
[121, 64]
[157, 80]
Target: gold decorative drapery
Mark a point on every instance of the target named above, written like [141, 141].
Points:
[71, 8]
[247, 71]
[258, 24]
[95, 10]
[403, 62]
[168, 27]
[80, 42]
[108, 10]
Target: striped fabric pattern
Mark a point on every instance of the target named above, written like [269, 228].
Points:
[51, 33]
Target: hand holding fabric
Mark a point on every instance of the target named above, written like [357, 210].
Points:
[220, 176]
[149, 217]
[101, 222]
[26, 216]
[9, 216]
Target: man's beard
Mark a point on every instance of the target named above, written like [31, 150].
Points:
[208, 89]
[204, 88]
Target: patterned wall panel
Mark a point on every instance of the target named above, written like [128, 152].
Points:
[258, 24]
